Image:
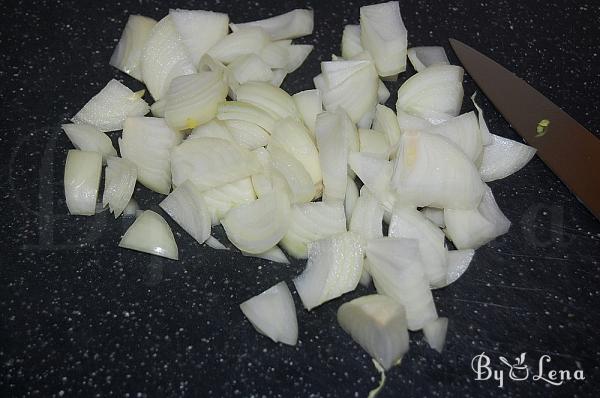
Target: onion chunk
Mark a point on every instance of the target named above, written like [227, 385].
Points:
[290, 25]
[273, 314]
[81, 181]
[378, 324]
[151, 234]
[128, 53]
[119, 183]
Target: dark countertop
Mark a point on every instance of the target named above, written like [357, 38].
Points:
[81, 317]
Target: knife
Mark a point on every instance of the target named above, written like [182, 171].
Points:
[569, 149]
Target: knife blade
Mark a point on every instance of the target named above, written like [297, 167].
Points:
[569, 149]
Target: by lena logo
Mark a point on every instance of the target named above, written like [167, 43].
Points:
[519, 371]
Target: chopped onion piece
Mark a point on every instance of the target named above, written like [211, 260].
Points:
[297, 55]
[375, 173]
[119, 182]
[435, 333]
[486, 136]
[199, 30]
[147, 142]
[367, 217]
[273, 314]
[294, 137]
[164, 58]
[378, 324]
[236, 110]
[298, 179]
[222, 199]
[151, 234]
[383, 35]
[247, 134]
[128, 52]
[350, 85]
[108, 109]
[365, 277]
[334, 267]
[434, 94]
[503, 157]
[273, 100]
[333, 157]
[434, 215]
[351, 44]
[158, 108]
[350, 199]
[431, 171]
[310, 222]
[385, 121]
[408, 122]
[374, 142]
[250, 68]
[383, 94]
[211, 162]
[290, 25]
[309, 105]
[257, 226]
[276, 54]
[213, 243]
[278, 77]
[422, 57]
[132, 209]
[463, 131]
[186, 206]
[397, 272]
[236, 44]
[469, 229]
[192, 99]
[458, 263]
[409, 223]
[274, 254]
[81, 181]
[213, 129]
[89, 139]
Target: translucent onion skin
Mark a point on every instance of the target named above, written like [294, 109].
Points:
[470, 229]
[186, 206]
[397, 272]
[334, 267]
[128, 52]
[164, 58]
[431, 171]
[192, 99]
[119, 182]
[291, 25]
[384, 36]
[81, 181]
[310, 222]
[503, 157]
[89, 139]
[378, 324]
[151, 234]
[108, 109]
[273, 314]
[147, 142]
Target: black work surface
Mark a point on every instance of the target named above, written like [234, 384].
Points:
[81, 317]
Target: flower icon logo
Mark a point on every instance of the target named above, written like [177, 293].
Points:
[519, 370]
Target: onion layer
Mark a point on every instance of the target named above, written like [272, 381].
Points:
[119, 182]
[81, 181]
[334, 267]
[378, 324]
[151, 234]
[273, 314]
[422, 57]
[309, 105]
[290, 25]
[89, 139]
[503, 157]
[128, 52]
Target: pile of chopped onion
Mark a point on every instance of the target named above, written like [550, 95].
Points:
[315, 173]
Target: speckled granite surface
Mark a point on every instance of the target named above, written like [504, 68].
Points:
[80, 317]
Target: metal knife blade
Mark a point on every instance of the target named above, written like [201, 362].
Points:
[569, 149]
